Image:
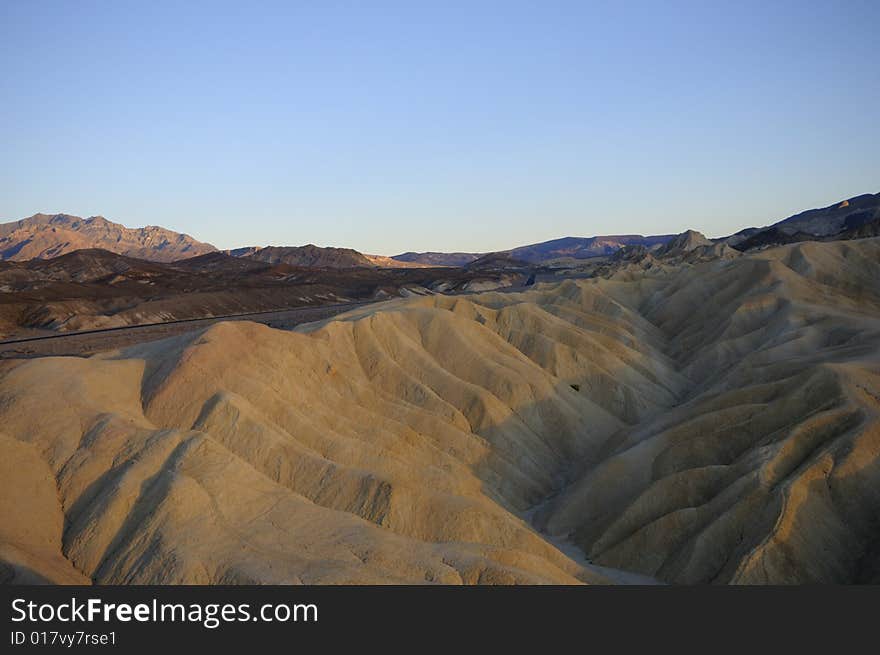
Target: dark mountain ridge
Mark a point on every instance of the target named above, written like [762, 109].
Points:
[842, 220]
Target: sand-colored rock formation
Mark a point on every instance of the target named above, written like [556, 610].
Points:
[712, 422]
[769, 471]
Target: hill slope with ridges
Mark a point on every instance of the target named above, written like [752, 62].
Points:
[714, 422]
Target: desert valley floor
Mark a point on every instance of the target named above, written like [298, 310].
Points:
[709, 422]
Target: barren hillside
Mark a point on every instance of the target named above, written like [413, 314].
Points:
[713, 421]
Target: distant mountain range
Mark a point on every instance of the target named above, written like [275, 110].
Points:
[857, 217]
[854, 218]
[584, 248]
[438, 258]
[44, 236]
[566, 247]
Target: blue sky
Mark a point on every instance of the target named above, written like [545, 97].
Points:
[436, 125]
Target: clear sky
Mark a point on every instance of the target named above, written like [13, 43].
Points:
[436, 125]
